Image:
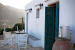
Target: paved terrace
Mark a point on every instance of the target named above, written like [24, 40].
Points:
[4, 46]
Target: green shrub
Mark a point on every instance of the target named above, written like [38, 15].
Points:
[19, 26]
[1, 31]
[8, 29]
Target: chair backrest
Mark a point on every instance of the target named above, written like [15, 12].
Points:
[7, 35]
[22, 40]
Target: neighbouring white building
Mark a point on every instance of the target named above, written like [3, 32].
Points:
[41, 16]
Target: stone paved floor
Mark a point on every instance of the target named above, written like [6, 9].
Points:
[4, 46]
[1, 37]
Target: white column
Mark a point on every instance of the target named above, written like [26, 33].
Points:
[4, 26]
[17, 28]
[26, 25]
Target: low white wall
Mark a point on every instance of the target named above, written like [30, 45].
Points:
[67, 15]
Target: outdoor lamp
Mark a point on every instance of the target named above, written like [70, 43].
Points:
[30, 10]
[40, 5]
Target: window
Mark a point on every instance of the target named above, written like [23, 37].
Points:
[37, 13]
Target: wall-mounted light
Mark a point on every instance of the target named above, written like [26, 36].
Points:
[40, 5]
[46, 0]
[30, 10]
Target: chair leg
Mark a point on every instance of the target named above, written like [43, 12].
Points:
[26, 46]
[19, 47]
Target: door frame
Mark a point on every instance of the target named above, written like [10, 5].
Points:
[27, 23]
[56, 34]
[53, 3]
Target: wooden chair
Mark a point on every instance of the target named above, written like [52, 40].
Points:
[8, 38]
[22, 40]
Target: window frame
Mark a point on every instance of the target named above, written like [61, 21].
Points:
[37, 13]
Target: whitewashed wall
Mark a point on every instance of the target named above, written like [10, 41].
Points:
[36, 26]
[67, 15]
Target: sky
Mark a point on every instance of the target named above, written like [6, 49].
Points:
[20, 4]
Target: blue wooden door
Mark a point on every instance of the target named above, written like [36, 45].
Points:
[57, 19]
[51, 26]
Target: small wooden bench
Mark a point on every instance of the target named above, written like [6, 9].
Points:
[33, 37]
[33, 41]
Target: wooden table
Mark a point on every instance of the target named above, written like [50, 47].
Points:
[20, 33]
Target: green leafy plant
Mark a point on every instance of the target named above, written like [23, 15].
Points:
[1, 31]
[19, 26]
[8, 29]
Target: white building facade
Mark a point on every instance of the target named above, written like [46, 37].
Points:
[36, 25]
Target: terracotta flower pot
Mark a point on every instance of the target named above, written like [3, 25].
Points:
[62, 44]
